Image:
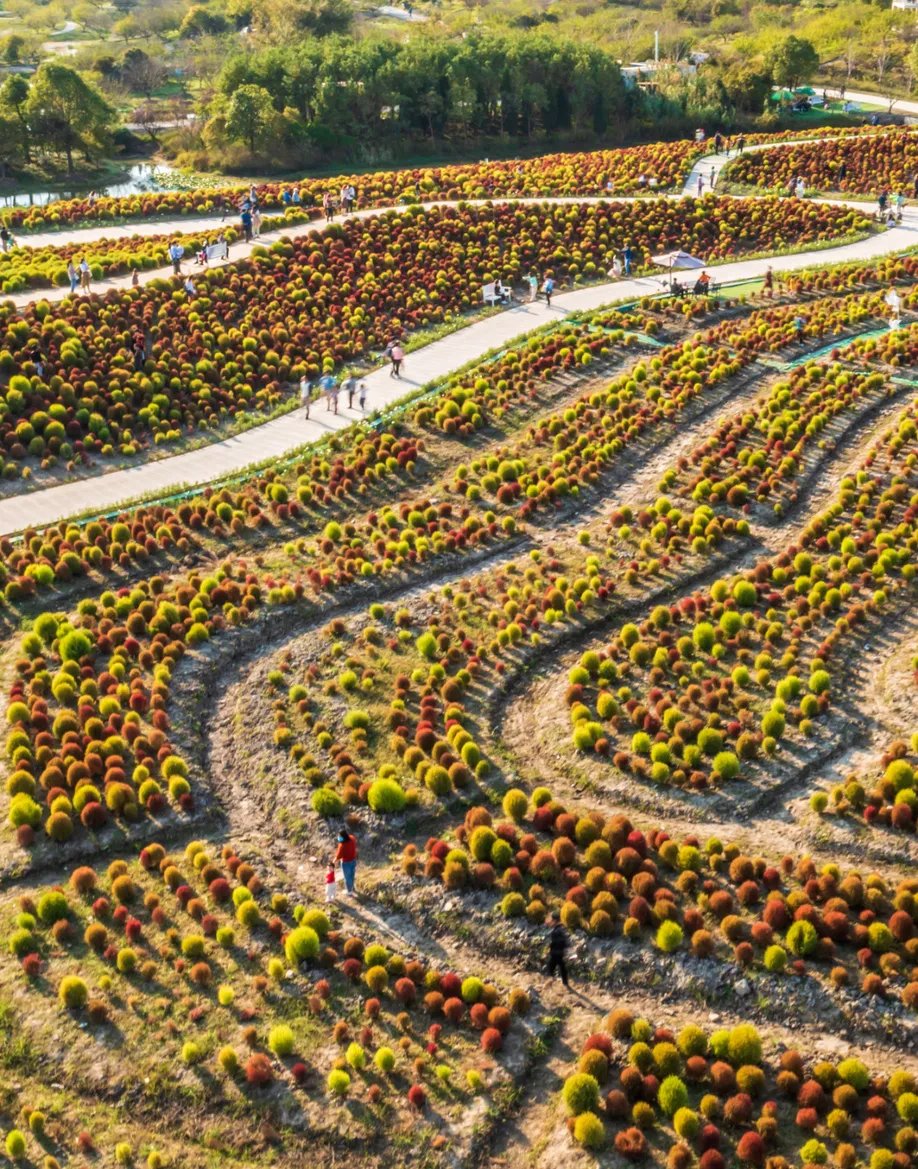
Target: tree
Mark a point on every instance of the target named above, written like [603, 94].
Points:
[747, 87]
[793, 61]
[14, 93]
[248, 114]
[66, 113]
[912, 64]
[141, 73]
[200, 22]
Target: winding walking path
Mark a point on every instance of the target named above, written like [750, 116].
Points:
[107, 491]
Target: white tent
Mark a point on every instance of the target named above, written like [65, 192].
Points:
[673, 260]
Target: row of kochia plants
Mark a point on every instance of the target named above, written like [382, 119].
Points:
[202, 964]
[720, 1097]
[88, 714]
[304, 306]
[688, 898]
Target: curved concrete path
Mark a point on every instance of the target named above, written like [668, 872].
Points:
[435, 362]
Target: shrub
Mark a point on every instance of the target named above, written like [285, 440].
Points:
[802, 938]
[258, 1070]
[228, 1060]
[356, 1056]
[580, 1093]
[472, 990]
[672, 1095]
[744, 1045]
[852, 1071]
[302, 943]
[669, 936]
[281, 1040]
[515, 804]
[686, 1124]
[907, 1107]
[384, 1059]
[775, 959]
[326, 802]
[814, 1153]
[52, 907]
[192, 1053]
[72, 992]
[589, 1131]
[15, 1145]
[386, 795]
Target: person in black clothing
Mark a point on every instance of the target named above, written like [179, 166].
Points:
[557, 947]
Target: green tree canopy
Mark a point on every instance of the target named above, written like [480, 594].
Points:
[793, 61]
[65, 113]
[248, 114]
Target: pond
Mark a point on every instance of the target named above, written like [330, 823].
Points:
[141, 177]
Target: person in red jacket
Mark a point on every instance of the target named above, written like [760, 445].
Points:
[347, 856]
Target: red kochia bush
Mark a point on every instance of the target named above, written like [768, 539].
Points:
[631, 1144]
[491, 1041]
[751, 1148]
[417, 1097]
[258, 1069]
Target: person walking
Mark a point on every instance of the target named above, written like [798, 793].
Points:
[6, 238]
[305, 394]
[176, 251]
[135, 278]
[331, 883]
[740, 144]
[882, 200]
[362, 397]
[328, 206]
[346, 856]
[245, 220]
[73, 276]
[713, 178]
[256, 221]
[558, 940]
[718, 142]
[700, 185]
[350, 387]
[533, 281]
[85, 276]
[900, 206]
[396, 355]
[189, 286]
[327, 384]
[627, 259]
[548, 288]
[769, 282]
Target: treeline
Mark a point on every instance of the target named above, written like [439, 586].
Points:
[374, 98]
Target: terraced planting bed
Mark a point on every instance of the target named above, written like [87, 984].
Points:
[616, 624]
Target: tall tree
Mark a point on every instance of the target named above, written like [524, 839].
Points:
[248, 114]
[67, 113]
[14, 93]
[793, 61]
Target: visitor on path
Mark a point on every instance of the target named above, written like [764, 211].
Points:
[718, 142]
[135, 278]
[799, 325]
[6, 239]
[740, 144]
[882, 202]
[616, 270]
[800, 188]
[362, 397]
[713, 178]
[305, 394]
[245, 220]
[533, 287]
[769, 282]
[627, 258]
[346, 856]
[328, 206]
[548, 288]
[700, 185]
[327, 385]
[297, 199]
[558, 941]
[331, 882]
[85, 276]
[396, 355]
[256, 221]
[350, 388]
[176, 251]
[900, 206]
[72, 275]
[286, 197]
[189, 286]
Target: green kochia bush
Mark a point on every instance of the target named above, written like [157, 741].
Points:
[580, 1094]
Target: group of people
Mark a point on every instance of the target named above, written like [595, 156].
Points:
[723, 145]
[328, 386]
[346, 199]
[79, 275]
[890, 207]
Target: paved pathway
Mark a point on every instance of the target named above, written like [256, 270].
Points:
[273, 439]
